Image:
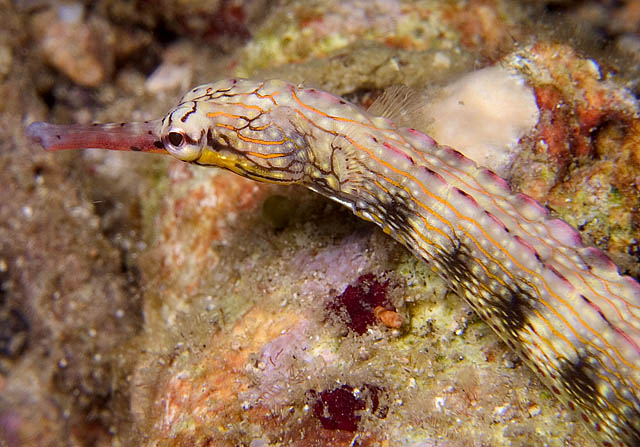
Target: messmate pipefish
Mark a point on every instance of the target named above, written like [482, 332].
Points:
[562, 306]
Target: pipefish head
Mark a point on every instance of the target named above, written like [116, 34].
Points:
[234, 124]
[237, 125]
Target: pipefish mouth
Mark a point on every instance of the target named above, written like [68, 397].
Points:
[562, 306]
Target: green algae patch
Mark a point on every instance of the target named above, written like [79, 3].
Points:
[314, 30]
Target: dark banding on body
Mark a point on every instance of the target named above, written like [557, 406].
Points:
[511, 304]
[523, 272]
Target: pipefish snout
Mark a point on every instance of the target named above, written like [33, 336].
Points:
[562, 306]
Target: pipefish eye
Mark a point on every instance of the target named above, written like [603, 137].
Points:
[175, 138]
[181, 145]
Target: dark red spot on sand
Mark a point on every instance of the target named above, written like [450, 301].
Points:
[357, 303]
[340, 408]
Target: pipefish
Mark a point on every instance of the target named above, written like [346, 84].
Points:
[562, 306]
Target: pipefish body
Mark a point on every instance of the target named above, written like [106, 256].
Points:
[562, 306]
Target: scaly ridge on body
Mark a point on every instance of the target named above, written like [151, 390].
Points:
[563, 306]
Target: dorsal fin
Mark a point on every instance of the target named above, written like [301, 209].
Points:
[403, 105]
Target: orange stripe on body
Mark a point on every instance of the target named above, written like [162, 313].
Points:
[257, 141]
[548, 288]
[249, 139]
[568, 259]
[225, 114]
[266, 156]
[490, 239]
[337, 118]
[271, 96]
[498, 246]
[243, 105]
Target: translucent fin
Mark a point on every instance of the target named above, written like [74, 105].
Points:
[402, 105]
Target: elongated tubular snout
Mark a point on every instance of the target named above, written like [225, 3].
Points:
[143, 136]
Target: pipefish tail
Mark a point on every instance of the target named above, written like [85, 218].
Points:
[562, 306]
